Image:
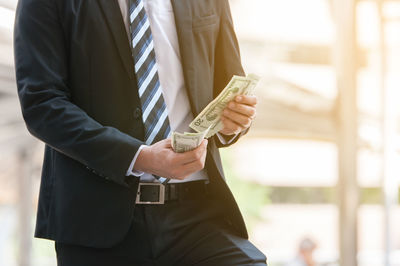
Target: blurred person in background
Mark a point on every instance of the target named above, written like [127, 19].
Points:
[90, 88]
[305, 253]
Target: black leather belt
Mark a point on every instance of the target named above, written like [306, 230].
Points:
[157, 193]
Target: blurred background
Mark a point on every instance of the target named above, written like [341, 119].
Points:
[317, 178]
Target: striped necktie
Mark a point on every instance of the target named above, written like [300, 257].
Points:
[154, 109]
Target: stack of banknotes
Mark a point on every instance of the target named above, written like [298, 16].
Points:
[208, 122]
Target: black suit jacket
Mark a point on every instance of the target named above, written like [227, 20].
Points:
[78, 94]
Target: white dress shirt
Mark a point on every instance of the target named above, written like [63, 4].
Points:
[170, 72]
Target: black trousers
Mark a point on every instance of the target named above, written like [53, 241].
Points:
[185, 232]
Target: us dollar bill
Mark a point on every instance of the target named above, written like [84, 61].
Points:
[183, 142]
[210, 117]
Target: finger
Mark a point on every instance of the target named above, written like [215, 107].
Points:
[193, 167]
[199, 152]
[193, 155]
[230, 127]
[247, 110]
[240, 119]
[165, 143]
[246, 99]
[184, 158]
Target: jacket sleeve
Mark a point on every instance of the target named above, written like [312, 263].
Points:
[41, 65]
[228, 62]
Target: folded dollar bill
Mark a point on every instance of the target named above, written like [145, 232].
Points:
[187, 141]
[210, 117]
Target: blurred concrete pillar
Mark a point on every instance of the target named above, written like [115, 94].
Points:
[24, 207]
[390, 169]
[345, 52]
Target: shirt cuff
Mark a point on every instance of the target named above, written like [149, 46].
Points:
[131, 171]
[225, 140]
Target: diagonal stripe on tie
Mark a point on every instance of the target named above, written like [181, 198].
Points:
[154, 116]
[144, 56]
[144, 81]
[142, 46]
[135, 9]
[145, 38]
[157, 127]
[147, 74]
[150, 94]
[164, 130]
[146, 94]
[152, 100]
[144, 27]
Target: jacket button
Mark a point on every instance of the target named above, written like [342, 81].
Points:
[137, 113]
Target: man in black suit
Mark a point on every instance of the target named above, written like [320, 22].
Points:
[103, 83]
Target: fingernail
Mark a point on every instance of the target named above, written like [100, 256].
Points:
[232, 105]
[239, 98]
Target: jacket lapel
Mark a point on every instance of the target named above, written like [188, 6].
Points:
[112, 14]
[183, 21]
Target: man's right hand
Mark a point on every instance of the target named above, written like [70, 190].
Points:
[161, 160]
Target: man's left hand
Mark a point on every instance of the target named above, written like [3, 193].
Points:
[239, 114]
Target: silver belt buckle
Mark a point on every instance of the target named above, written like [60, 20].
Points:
[161, 194]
